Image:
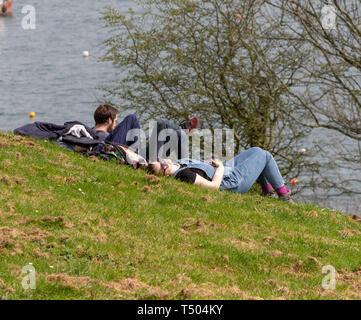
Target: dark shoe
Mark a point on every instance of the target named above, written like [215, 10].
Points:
[270, 194]
[287, 198]
[190, 124]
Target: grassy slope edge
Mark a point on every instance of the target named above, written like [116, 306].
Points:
[97, 230]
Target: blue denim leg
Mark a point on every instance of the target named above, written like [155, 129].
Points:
[243, 171]
[119, 134]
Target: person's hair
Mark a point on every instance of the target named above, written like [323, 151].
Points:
[104, 112]
[151, 168]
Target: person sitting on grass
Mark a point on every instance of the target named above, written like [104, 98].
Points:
[236, 175]
[106, 117]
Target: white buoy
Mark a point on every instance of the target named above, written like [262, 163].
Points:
[85, 54]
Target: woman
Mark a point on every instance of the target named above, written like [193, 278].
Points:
[237, 175]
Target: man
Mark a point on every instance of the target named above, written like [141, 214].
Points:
[106, 117]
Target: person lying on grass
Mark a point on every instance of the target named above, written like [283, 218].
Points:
[236, 175]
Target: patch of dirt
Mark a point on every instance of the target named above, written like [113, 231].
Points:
[276, 253]
[39, 254]
[279, 287]
[269, 240]
[147, 189]
[5, 179]
[60, 221]
[37, 235]
[71, 179]
[195, 290]
[156, 293]
[8, 236]
[15, 271]
[19, 181]
[9, 181]
[93, 158]
[4, 142]
[193, 226]
[52, 219]
[80, 249]
[353, 281]
[312, 213]
[250, 244]
[354, 218]
[297, 266]
[313, 259]
[61, 164]
[348, 233]
[51, 245]
[7, 163]
[25, 220]
[56, 178]
[295, 270]
[152, 179]
[63, 238]
[255, 298]
[128, 285]
[68, 281]
[210, 290]
[69, 225]
[102, 238]
[247, 227]
[16, 251]
[208, 198]
[29, 143]
[10, 207]
[62, 156]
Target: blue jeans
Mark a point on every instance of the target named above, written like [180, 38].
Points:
[254, 164]
[119, 134]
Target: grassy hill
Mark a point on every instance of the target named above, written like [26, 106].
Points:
[97, 230]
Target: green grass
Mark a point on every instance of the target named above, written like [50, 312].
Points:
[97, 230]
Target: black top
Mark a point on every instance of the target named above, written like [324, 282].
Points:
[190, 174]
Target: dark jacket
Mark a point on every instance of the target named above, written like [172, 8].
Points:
[50, 131]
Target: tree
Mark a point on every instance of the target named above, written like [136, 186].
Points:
[211, 58]
[331, 99]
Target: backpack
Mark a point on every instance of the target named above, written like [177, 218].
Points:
[120, 153]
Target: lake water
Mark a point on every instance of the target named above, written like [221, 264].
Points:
[43, 70]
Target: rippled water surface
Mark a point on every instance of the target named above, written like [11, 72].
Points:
[43, 70]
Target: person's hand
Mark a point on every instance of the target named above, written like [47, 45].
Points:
[216, 163]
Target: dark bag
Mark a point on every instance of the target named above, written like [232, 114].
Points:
[120, 153]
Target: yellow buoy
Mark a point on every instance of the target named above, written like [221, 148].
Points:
[32, 115]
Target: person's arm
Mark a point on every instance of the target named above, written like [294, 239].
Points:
[217, 178]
